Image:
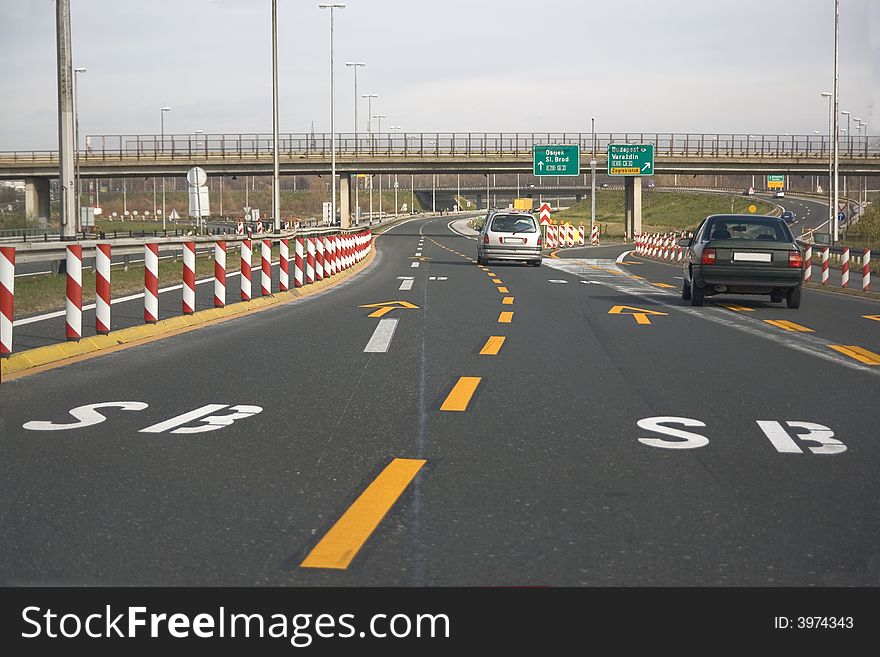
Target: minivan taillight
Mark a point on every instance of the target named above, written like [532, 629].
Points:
[540, 241]
[486, 238]
[708, 257]
[795, 259]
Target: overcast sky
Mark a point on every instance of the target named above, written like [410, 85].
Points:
[452, 65]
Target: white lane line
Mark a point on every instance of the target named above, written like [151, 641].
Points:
[381, 339]
[406, 285]
[621, 257]
[415, 264]
[418, 254]
[437, 278]
[556, 280]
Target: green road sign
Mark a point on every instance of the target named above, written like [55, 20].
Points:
[630, 159]
[556, 160]
[775, 181]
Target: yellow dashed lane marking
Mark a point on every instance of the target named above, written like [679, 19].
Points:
[492, 346]
[786, 325]
[461, 393]
[497, 281]
[507, 301]
[740, 309]
[503, 290]
[505, 318]
[341, 544]
[860, 354]
[666, 285]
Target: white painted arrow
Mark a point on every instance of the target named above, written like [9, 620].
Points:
[647, 166]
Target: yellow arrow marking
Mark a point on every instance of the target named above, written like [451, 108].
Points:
[386, 307]
[640, 314]
[876, 318]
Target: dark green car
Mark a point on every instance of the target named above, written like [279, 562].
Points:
[742, 254]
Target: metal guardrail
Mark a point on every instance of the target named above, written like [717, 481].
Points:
[168, 148]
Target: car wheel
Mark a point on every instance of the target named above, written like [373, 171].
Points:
[480, 260]
[793, 298]
[536, 263]
[697, 294]
[777, 295]
[685, 291]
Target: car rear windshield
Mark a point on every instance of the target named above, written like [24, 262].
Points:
[513, 223]
[735, 228]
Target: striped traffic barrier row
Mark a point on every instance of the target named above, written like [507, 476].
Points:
[866, 270]
[73, 314]
[319, 258]
[219, 274]
[844, 268]
[151, 283]
[808, 264]
[102, 289]
[283, 265]
[188, 302]
[310, 260]
[266, 268]
[245, 275]
[825, 264]
[298, 262]
[7, 298]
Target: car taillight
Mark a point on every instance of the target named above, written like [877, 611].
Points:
[540, 242]
[486, 238]
[795, 259]
[708, 257]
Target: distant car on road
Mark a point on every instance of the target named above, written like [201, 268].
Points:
[749, 192]
[604, 185]
[779, 194]
[742, 254]
[788, 217]
[510, 235]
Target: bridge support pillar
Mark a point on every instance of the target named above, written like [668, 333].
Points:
[36, 200]
[632, 206]
[345, 190]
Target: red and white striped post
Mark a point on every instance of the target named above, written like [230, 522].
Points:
[808, 264]
[328, 258]
[844, 268]
[188, 303]
[866, 270]
[102, 289]
[369, 239]
[219, 274]
[582, 235]
[246, 287]
[283, 265]
[151, 283]
[298, 262]
[73, 315]
[342, 252]
[825, 263]
[310, 260]
[334, 253]
[319, 258]
[266, 268]
[7, 298]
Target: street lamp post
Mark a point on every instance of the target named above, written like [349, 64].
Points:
[593, 174]
[354, 66]
[395, 128]
[848, 141]
[76, 71]
[331, 7]
[831, 215]
[835, 227]
[162, 111]
[380, 117]
[276, 175]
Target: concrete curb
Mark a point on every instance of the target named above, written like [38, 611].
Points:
[56, 355]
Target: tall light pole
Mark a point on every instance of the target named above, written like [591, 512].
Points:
[848, 140]
[380, 117]
[162, 111]
[395, 128]
[276, 176]
[836, 227]
[354, 66]
[331, 7]
[859, 125]
[831, 214]
[65, 118]
[369, 98]
[76, 71]
[593, 175]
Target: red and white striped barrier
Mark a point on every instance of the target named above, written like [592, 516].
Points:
[310, 260]
[266, 268]
[73, 314]
[866, 270]
[246, 286]
[259, 226]
[825, 265]
[334, 247]
[347, 251]
[319, 258]
[151, 283]
[102, 289]
[569, 229]
[844, 268]
[188, 301]
[328, 258]
[219, 274]
[582, 235]
[7, 298]
[298, 262]
[283, 265]
[808, 264]
[239, 228]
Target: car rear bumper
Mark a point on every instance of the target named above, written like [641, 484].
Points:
[747, 277]
[498, 252]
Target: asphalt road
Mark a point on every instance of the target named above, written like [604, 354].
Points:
[562, 468]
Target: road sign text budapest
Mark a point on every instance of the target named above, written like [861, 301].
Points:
[630, 159]
[556, 160]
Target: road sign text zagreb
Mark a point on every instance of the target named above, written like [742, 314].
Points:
[630, 159]
[556, 160]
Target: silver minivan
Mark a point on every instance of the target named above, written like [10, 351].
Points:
[510, 235]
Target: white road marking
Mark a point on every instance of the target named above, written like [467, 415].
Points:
[381, 338]
[437, 278]
[415, 264]
[418, 253]
[406, 285]
[556, 280]
[622, 256]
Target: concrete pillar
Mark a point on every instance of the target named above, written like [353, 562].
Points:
[36, 200]
[632, 206]
[345, 200]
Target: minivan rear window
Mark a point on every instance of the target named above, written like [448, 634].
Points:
[513, 223]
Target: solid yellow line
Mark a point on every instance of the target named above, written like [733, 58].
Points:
[503, 290]
[497, 281]
[341, 544]
[858, 353]
[492, 346]
[786, 325]
[461, 393]
[507, 301]
[658, 284]
[505, 317]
